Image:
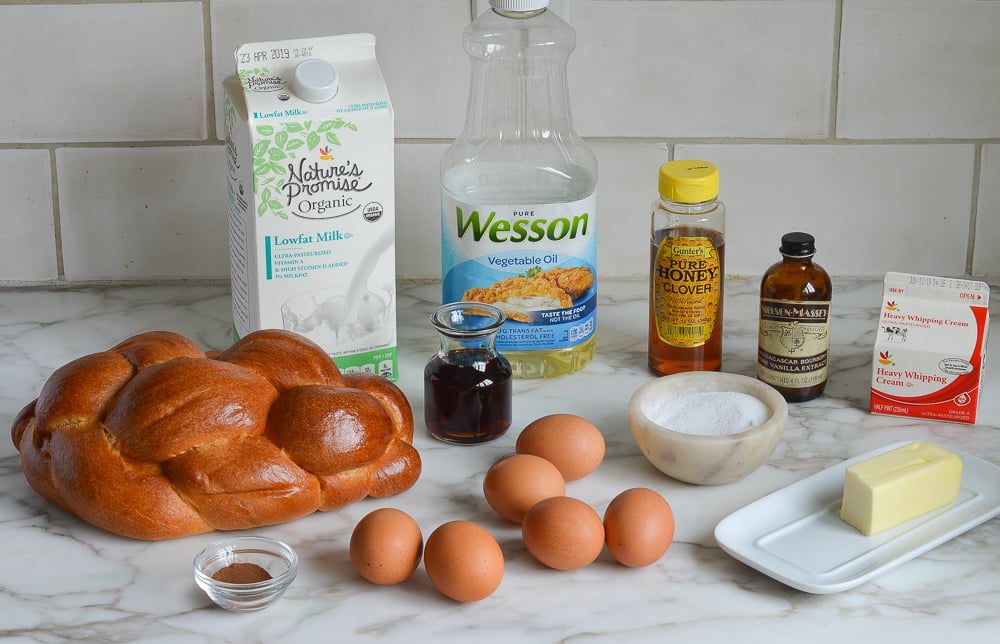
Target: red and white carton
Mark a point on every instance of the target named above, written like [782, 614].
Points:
[930, 348]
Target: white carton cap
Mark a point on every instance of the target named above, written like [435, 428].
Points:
[519, 5]
[315, 80]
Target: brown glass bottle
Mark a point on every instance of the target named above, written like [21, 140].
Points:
[686, 270]
[794, 334]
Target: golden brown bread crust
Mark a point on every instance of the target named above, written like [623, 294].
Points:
[392, 398]
[153, 439]
[284, 359]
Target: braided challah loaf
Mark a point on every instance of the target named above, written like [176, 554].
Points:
[152, 439]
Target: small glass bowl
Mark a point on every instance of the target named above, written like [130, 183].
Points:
[274, 556]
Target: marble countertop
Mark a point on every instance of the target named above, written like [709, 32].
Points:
[61, 579]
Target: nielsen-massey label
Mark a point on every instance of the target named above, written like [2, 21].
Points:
[794, 343]
[687, 289]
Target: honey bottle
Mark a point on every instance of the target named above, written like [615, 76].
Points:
[794, 335]
[687, 269]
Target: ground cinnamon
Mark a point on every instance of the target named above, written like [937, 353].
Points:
[241, 573]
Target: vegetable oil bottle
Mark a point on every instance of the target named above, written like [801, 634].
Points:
[518, 201]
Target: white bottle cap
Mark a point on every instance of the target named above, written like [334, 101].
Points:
[315, 80]
[519, 5]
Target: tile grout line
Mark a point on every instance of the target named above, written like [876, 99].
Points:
[977, 168]
[56, 213]
[206, 17]
[838, 29]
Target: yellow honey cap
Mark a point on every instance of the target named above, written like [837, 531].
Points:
[689, 181]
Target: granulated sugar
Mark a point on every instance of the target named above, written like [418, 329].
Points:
[710, 413]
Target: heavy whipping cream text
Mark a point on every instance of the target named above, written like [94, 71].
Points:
[900, 378]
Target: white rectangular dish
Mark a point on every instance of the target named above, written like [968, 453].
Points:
[796, 535]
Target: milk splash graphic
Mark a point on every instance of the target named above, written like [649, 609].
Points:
[309, 137]
[357, 314]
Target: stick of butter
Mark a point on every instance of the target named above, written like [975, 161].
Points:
[900, 485]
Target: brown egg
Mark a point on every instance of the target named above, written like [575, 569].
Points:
[517, 482]
[638, 527]
[386, 546]
[463, 561]
[563, 533]
[572, 443]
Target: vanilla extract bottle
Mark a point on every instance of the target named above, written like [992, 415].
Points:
[794, 334]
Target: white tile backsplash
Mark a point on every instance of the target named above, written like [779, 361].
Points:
[103, 72]
[418, 210]
[418, 44]
[143, 213]
[626, 187]
[124, 219]
[703, 69]
[919, 69]
[874, 124]
[27, 225]
[872, 208]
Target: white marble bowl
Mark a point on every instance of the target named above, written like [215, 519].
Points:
[276, 557]
[705, 459]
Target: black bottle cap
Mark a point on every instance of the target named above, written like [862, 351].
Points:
[798, 244]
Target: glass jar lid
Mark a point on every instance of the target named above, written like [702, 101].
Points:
[467, 319]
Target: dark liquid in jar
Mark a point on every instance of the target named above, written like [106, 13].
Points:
[665, 358]
[467, 398]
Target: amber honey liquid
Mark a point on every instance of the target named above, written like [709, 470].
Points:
[666, 358]
[467, 398]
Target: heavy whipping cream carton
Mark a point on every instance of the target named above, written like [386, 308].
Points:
[930, 347]
[309, 136]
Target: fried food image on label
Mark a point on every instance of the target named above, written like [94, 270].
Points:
[519, 296]
[576, 280]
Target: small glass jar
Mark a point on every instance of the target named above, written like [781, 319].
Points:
[467, 385]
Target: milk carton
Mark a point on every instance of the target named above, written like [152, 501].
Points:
[309, 136]
[930, 347]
